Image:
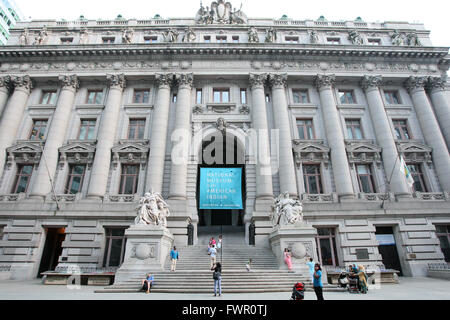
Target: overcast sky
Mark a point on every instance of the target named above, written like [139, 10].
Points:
[434, 14]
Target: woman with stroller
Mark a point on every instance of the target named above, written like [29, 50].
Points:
[362, 277]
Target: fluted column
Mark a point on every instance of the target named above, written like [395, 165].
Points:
[181, 137]
[5, 86]
[155, 173]
[335, 137]
[12, 115]
[55, 137]
[105, 138]
[385, 138]
[281, 118]
[441, 105]
[430, 129]
[264, 188]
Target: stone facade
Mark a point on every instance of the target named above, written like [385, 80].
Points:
[180, 62]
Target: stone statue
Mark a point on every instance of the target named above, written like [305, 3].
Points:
[189, 35]
[152, 210]
[412, 39]
[397, 38]
[221, 124]
[313, 36]
[23, 38]
[171, 35]
[355, 37]
[220, 12]
[84, 35]
[39, 39]
[271, 35]
[127, 35]
[286, 211]
[253, 35]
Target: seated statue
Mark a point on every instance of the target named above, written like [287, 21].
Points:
[286, 211]
[152, 210]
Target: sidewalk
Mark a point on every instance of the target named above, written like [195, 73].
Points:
[408, 289]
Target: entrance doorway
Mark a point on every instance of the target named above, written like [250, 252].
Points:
[52, 249]
[388, 248]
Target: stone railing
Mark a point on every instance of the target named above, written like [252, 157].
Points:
[121, 198]
[12, 197]
[319, 198]
[64, 197]
[432, 195]
[438, 266]
[77, 269]
[376, 196]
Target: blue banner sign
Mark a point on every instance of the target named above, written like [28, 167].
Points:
[221, 188]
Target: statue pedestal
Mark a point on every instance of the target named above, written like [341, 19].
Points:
[300, 239]
[146, 251]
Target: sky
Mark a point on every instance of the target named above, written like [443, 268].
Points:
[434, 14]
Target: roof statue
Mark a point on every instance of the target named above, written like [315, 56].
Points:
[220, 12]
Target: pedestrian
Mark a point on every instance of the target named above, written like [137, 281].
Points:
[219, 243]
[362, 279]
[248, 266]
[217, 276]
[310, 264]
[287, 258]
[317, 283]
[212, 253]
[174, 257]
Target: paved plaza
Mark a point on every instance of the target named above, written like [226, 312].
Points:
[408, 289]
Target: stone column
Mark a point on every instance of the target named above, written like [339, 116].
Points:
[106, 135]
[13, 114]
[441, 105]
[264, 188]
[181, 138]
[384, 135]
[5, 82]
[430, 129]
[335, 137]
[281, 118]
[55, 137]
[158, 136]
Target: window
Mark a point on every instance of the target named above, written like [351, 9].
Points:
[38, 130]
[243, 96]
[291, 39]
[374, 42]
[207, 39]
[333, 40]
[221, 95]
[300, 96]
[235, 39]
[115, 247]
[346, 96]
[312, 178]
[392, 97]
[95, 97]
[417, 175]
[141, 95]
[66, 40]
[305, 129]
[23, 177]
[221, 39]
[443, 234]
[129, 179]
[87, 129]
[365, 179]
[136, 129]
[401, 129]
[48, 97]
[1, 232]
[354, 130]
[326, 246]
[75, 179]
[150, 39]
[199, 97]
[106, 40]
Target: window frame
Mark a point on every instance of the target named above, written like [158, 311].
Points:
[317, 175]
[395, 124]
[89, 126]
[221, 39]
[221, 91]
[96, 92]
[197, 92]
[19, 175]
[49, 100]
[371, 41]
[142, 99]
[305, 126]
[370, 176]
[417, 174]
[350, 125]
[243, 95]
[124, 175]
[333, 41]
[108, 243]
[140, 123]
[150, 39]
[333, 245]
[70, 177]
[300, 93]
[34, 125]
[108, 40]
[391, 95]
[292, 39]
[438, 235]
[345, 93]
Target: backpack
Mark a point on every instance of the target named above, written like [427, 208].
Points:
[216, 275]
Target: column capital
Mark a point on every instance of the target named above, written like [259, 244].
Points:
[436, 83]
[5, 82]
[415, 83]
[184, 80]
[278, 80]
[69, 81]
[116, 80]
[164, 79]
[257, 80]
[324, 81]
[371, 82]
[23, 82]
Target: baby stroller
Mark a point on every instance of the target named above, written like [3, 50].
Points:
[298, 291]
[353, 285]
[343, 280]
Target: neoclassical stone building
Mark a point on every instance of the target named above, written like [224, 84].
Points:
[95, 113]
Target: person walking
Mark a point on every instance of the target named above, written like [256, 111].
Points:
[287, 258]
[213, 253]
[217, 276]
[219, 243]
[317, 283]
[310, 263]
[174, 257]
[248, 266]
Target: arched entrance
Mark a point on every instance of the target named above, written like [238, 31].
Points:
[221, 152]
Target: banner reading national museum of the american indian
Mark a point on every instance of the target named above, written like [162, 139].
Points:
[221, 188]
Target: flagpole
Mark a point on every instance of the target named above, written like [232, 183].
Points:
[388, 184]
[50, 178]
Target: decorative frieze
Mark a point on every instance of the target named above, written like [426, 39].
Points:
[77, 152]
[414, 151]
[311, 151]
[25, 152]
[130, 152]
[363, 151]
